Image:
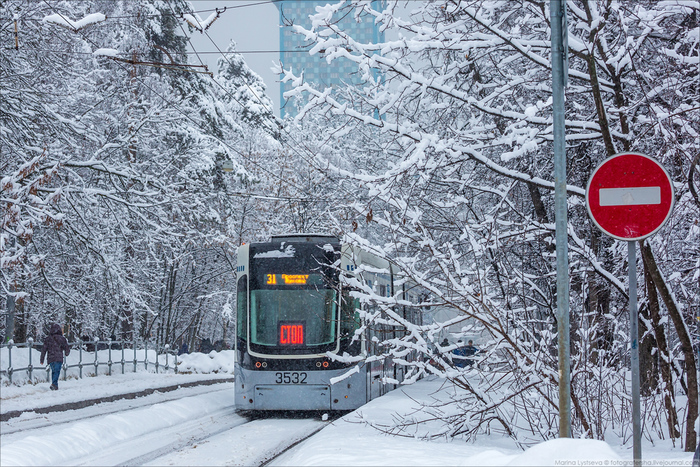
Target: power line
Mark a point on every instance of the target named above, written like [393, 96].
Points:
[178, 15]
[211, 52]
[216, 82]
[309, 160]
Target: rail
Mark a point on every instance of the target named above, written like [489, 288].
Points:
[94, 356]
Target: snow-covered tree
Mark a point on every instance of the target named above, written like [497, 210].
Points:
[108, 169]
[463, 194]
[246, 91]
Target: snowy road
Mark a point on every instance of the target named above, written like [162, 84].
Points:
[193, 426]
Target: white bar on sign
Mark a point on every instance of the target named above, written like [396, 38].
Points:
[630, 196]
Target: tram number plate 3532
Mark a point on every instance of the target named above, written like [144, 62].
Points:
[290, 377]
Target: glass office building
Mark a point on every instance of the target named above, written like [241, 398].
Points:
[294, 49]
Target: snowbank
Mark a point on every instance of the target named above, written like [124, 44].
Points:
[213, 362]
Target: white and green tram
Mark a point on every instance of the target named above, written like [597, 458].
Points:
[293, 314]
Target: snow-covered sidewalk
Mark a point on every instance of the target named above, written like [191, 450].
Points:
[30, 397]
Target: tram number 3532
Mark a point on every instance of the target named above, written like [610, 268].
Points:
[290, 377]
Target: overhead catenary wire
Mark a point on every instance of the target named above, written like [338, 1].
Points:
[274, 130]
[309, 160]
[210, 52]
[158, 15]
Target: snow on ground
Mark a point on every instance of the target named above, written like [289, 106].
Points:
[349, 440]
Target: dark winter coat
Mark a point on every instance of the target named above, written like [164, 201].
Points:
[54, 345]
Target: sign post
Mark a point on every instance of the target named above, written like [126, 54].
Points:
[559, 76]
[630, 197]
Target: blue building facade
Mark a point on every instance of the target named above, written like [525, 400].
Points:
[294, 50]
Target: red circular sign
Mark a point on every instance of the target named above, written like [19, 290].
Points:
[629, 196]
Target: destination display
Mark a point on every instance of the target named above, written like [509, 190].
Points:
[287, 279]
[293, 279]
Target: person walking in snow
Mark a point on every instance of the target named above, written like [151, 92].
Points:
[54, 345]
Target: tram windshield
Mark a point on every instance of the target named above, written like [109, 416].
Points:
[293, 300]
[301, 317]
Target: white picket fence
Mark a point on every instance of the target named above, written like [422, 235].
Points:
[19, 363]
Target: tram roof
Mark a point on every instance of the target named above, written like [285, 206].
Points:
[304, 238]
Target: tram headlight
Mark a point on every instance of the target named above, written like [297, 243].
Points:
[257, 365]
[318, 364]
[325, 364]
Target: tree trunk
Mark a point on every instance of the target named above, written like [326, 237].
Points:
[663, 356]
[686, 344]
[648, 364]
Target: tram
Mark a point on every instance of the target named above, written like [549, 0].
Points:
[292, 311]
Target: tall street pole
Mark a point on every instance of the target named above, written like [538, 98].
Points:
[634, 354]
[559, 78]
[10, 306]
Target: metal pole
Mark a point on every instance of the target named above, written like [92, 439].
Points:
[30, 341]
[9, 358]
[558, 17]
[10, 318]
[634, 349]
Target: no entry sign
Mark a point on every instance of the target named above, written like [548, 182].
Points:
[629, 196]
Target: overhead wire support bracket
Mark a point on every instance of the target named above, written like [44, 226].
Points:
[194, 20]
[167, 66]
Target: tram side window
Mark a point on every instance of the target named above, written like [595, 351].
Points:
[349, 317]
[242, 308]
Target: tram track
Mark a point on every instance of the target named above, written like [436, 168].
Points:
[274, 456]
[255, 443]
[125, 433]
[158, 443]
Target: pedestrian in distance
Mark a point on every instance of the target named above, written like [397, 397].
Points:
[461, 354]
[54, 347]
[470, 350]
